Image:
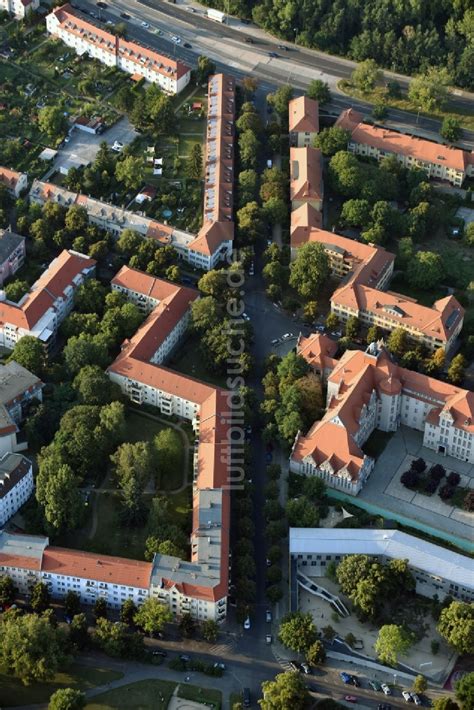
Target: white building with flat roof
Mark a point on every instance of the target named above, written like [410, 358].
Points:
[16, 484]
[437, 570]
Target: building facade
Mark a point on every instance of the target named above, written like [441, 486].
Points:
[14, 181]
[41, 311]
[19, 388]
[16, 484]
[367, 391]
[89, 39]
[12, 254]
[19, 8]
[438, 161]
[437, 571]
[303, 120]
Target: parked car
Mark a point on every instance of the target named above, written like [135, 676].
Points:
[416, 699]
[125, 15]
[275, 341]
[350, 698]
[247, 624]
[268, 457]
[386, 689]
[163, 654]
[246, 697]
[222, 666]
[294, 665]
[284, 47]
[345, 677]
[287, 336]
[184, 657]
[268, 638]
[245, 316]
[407, 696]
[355, 681]
[145, 25]
[274, 55]
[374, 685]
[187, 45]
[103, 5]
[248, 40]
[305, 668]
[268, 616]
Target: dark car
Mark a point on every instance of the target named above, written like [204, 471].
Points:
[248, 40]
[101, 4]
[273, 54]
[163, 654]
[184, 657]
[355, 681]
[187, 45]
[125, 15]
[284, 47]
[246, 698]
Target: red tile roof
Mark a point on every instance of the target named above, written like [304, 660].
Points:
[303, 115]
[306, 182]
[102, 568]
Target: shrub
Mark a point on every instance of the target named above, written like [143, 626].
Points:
[410, 478]
[454, 478]
[431, 486]
[446, 492]
[434, 647]
[468, 502]
[437, 472]
[419, 465]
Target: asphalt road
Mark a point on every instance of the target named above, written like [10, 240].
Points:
[226, 46]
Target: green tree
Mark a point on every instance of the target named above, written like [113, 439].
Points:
[456, 626]
[133, 468]
[301, 513]
[310, 270]
[129, 170]
[373, 334]
[58, 493]
[100, 609]
[195, 162]
[469, 234]
[7, 591]
[355, 213]
[94, 387]
[465, 691]
[78, 632]
[456, 369]
[127, 612]
[366, 75]
[205, 313]
[169, 454]
[319, 91]
[112, 637]
[281, 98]
[67, 699]
[248, 186]
[90, 297]
[445, 704]
[15, 290]
[210, 630]
[129, 241]
[451, 129]
[397, 341]
[345, 174]
[429, 91]
[425, 269]
[392, 641]
[275, 210]
[332, 321]
[76, 220]
[250, 221]
[187, 625]
[405, 251]
[352, 327]
[72, 604]
[52, 121]
[31, 649]
[331, 140]
[420, 684]
[152, 615]
[248, 148]
[30, 353]
[297, 631]
[205, 67]
[83, 350]
[288, 690]
[316, 654]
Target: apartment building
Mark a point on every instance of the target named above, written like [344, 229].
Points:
[18, 389]
[86, 38]
[198, 586]
[437, 571]
[303, 119]
[438, 161]
[19, 8]
[12, 254]
[29, 559]
[367, 391]
[14, 181]
[213, 243]
[306, 178]
[48, 302]
[16, 484]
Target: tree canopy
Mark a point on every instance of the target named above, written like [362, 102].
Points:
[393, 641]
[310, 270]
[297, 631]
[288, 690]
[456, 626]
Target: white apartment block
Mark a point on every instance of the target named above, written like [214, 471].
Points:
[16, 484]
[89, 39]
[18, 389]
[19, 8]
[49, 301]
[437, 570]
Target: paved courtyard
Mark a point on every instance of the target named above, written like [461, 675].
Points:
[385, 490]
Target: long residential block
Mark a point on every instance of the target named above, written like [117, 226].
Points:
[86, 38]
[437, 160]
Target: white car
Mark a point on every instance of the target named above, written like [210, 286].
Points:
[268, 638]
[275, 341]
[415, 699]
[287, 336]
[268, 616]
[117, 146]
[247, 624]
[252, 269]
[305, 668]
[145, 25]
[386, 689]
[407, 696]
[176, 39]
[245, 316]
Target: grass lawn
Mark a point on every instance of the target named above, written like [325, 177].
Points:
[140, 428]
[376, 443]
[143, 695]
[212, 698]
[189, 361]
[14, 693]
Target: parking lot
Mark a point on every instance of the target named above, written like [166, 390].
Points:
[82, 147]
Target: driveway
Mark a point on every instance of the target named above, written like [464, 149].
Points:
[83, 147]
